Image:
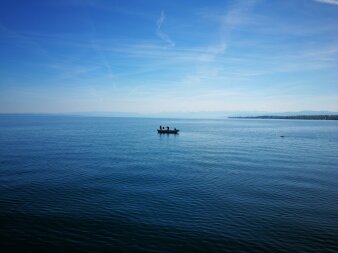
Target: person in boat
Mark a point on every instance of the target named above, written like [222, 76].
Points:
[175, 129]
[161, 127]
[167, 128]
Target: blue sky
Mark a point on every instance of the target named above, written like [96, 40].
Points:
[168, 56]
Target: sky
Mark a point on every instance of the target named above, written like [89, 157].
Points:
[168, 56]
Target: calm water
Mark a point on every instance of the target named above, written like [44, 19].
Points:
[78, 184]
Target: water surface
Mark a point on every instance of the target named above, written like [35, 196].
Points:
[91, 184]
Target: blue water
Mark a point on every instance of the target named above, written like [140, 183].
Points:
[91, 184]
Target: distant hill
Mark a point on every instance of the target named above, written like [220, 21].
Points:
[303, 117]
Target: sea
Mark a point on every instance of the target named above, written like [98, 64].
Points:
[104, 184]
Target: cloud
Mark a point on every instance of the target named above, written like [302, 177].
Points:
[163, 36]
[10, 36]
[234, 17]
[334, 2]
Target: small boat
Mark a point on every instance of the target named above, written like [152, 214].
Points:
[163, 131]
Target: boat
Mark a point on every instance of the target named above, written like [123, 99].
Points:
[165, 131]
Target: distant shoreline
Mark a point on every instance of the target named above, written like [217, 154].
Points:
[302, 117]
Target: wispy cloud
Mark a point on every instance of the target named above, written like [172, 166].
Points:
[232, 18]
[102, 56]
[163, 36]
[8, 36]
[334, 2]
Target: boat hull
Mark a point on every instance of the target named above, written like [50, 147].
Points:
[167, 131]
